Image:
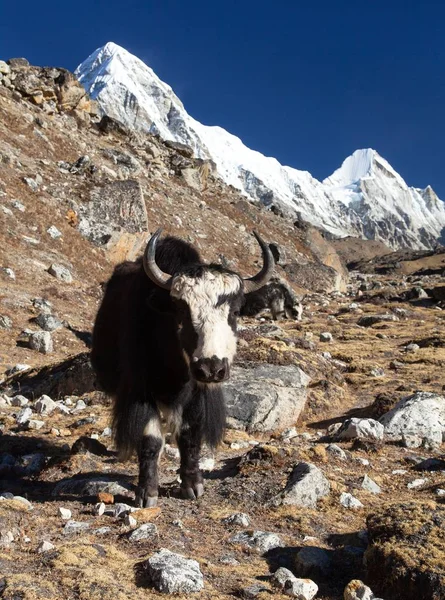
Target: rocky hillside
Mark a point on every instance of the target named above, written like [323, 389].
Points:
[329, 482]
[365, 197]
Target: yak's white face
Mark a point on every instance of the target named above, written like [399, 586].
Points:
[207, 307]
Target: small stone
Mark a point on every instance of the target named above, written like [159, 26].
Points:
[412, 348]
[336, 451]
[35, 424]
[120, 509]
[41, 341]
[19, 401]
[361, 428]
[5, 322]
[306, 485]
[302, 589]
[357, 590]
[102, 531]
[409, 440]
[105, 497]
[24, 501]
[416, 483]
[207, 464]
[72, 527]
[54, 233]
[8, 272]
[326, 337]
[377, 372]
[130, 521]
[65, 513]
[107, 432]
[60, 272]
[371, 486]
[5, 69]
[349, 501]
[18, 205]
[262, 541]
[99, 509]
[6, 538]
[48, 322]
[31, 183]
[143, 532]
[45, 405]
[171, 573]
[237, 519]
[312, 562]
[23, 416]
[440, 492]
[45, 547]
[253, 591]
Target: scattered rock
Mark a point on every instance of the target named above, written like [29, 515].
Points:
[48, 322]
[45, 547]
[65, 513]
[86, 444]
[370, 320]
[326, 337]
[416, 483]
[41, 341]
[262, 541]
[24, 416]
[91, 487]
[306, 484]
[349, 501]
[143, 532]
[302, 589]
[60, 272]
[266, 397]
[357, 590]
[237, 519]
[35, 424]
[360, 428]
[45, 405]
[19, 401]
[73, 527]
[172, 573]
[5, 322]
[129, 520]
[54, 233]
[370, 486]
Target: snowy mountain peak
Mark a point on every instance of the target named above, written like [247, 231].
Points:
[365, 197]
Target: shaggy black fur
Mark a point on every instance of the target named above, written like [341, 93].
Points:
[278, 296]
[139, 360]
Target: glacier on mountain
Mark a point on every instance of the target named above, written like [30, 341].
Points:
[365, 197]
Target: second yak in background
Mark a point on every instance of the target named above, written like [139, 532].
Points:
[278, 297]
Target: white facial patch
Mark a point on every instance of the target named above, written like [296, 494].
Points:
[215, 336]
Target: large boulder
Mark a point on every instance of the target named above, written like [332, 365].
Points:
[265, 397]
[115, 210]
[421, 415]
[405, 557]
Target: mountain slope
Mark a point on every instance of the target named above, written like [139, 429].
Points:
[365, 197]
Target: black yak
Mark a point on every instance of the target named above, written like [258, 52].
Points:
[163, 342]
[276, 295]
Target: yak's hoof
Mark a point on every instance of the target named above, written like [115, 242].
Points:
[143, 500]
[190, 493]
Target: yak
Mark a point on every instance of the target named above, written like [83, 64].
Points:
[164, 339]
[276, 295]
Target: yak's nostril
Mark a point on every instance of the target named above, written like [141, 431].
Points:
[220, 373]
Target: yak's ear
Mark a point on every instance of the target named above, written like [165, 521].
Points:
[161, 303]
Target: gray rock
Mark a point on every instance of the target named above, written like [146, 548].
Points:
[65, 513]
[312, 562]
[369, 485]
[349, 501]
[24, 416]
[54, 233]
[5, 322]
[41, 341]
[119, 509]
[18, 368]
[410, 440]
[45, 405]
[360, 428]
[60, 272]
[48, 322]
[237, 519]
[35, 424]
[24, 501]
[8, 272]
[172, 573]
[266, 397]
[262, 541]
[421, 415]
[369, 320]
[326, 336]
[302, 589]
[113, 209]
[91, 487]
[45, 547]
[6, 538]
[19, 401]
[73, 527]
[306, 485]
[32, 464]
[130, 521]
[5, 69]
[42, 304]
[143, 532]
[336, 452]
[377, 372]
[357, 590]
[253, 591]
[31, 183]
[412, 347]
[416, 483]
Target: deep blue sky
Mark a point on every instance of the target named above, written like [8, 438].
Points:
[306, 82]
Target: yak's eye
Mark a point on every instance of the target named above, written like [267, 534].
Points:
[235, 313]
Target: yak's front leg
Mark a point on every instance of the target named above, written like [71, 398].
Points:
[149, 452]
[189, 444]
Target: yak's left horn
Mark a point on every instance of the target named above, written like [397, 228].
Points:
[260, 279]
[163, 280]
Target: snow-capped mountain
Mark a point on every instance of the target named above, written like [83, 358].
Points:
[365, 197]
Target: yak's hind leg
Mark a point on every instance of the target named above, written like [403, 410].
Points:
[149, 450]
